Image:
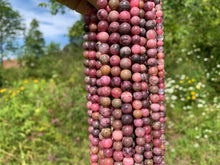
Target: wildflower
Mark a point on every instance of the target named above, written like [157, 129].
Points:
[35, 81]
[173, 97]
[187, 78]
[198, 87]
[188, 98]
[25, 81]
[192, 93]
[41, 129]
[18, 91]
[6, 99]
[3, 90]
[181, 81]
[22, 88]
[193, 80]
[189, 81]
[193, 97]
[13, 94]
[196, 145]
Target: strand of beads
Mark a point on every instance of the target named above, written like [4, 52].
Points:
[90, 72]
[107, 103]
[161, 74]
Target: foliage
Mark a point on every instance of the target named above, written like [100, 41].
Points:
[54, 6]
[33, 41]
[10, 27]
[76, 32]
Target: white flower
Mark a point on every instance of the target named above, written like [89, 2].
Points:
[206, 136]
[218, 66]
[203, 113]
[197, 137]
[196, 145]
[196, 128]
[172, 106]
[191, 88]
[198, 56]
[199, 105]
[205, 59]
[183, 77]
[182, 99]
[173, 97]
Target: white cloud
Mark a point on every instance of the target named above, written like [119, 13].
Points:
[53, 27]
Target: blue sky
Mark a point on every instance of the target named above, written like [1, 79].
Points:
[54, 28]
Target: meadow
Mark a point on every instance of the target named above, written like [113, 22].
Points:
[43, 114]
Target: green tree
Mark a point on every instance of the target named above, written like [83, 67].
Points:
[52, 48]
[10, 27]
[54, 6]
[33, 41]
[76, 32]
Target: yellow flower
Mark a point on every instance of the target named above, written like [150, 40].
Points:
[3, 90]
[22, 88]
[189, 81]
[25, 81]
[42, 128]
[198, 87]
[6, 99]
[35, 81]
[193, 80]
[17, 91]
[192, 93]
[181, 81]
[188, 97]
[9, 91]
[187, 78]
[13, 94]
[193, 97]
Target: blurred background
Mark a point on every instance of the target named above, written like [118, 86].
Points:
[43, 117]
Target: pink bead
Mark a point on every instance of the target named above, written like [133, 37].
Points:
[160, 43]
[95, 107]
[128, 161]
[151, 34]
[151, 43]
[148, 138]
[161, 85]
[144, 86]
[162, 97]
[90, 129]
[136, 77]
[159, 13]
[126, 97]
[118, 156]
[90, 137]
[134, 3]
[135, 11]
[160, 67]
[145, 112]
[147, 129]
[89, 104]
[143, 50]
[162, 108]
[160, 31]
[136, 49]
[117, 135]
[138, 122]
[102, 36]
[162, 120]
[115, 60]
[135, 20]
[107, 143]
[124, 16]
[143, 41]
[92, 55]
[105, 80]
[89, 113]
[137, 104]
[155, 107]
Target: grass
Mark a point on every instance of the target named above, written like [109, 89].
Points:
[43, 121]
